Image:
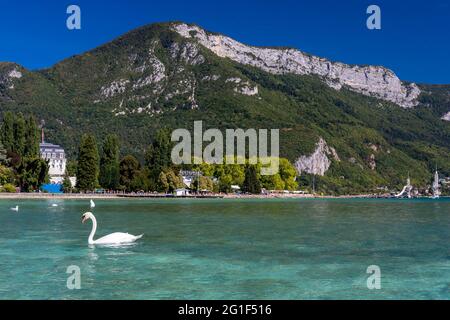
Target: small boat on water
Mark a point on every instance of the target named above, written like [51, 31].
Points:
[406, 192]
[436, 187]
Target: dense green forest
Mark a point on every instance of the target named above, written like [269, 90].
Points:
[21, 167]
[105, 169]
[20, 162]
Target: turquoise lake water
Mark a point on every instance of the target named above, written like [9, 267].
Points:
[228, 249]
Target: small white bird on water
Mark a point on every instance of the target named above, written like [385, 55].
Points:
[92, 204]
[54, 205]
[113, 238]
[16, 209]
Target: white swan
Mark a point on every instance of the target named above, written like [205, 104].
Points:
[16, 208]
[92, 204]
[113, 238]
[54, 205]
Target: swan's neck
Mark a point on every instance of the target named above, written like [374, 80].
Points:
[94, 229]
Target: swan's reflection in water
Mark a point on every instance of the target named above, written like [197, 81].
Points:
[105, 260]
[110, 251]
[98, 254]
[92, 260]
[114, 246]
[92, 256]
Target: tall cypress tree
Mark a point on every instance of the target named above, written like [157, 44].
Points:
[88, 166]
[109, 163]
[19, 135]
[7, 131]
[31, 137]
[129, 169]
[251, 182]
[158, 155]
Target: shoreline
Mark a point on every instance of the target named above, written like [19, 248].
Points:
[74, 196]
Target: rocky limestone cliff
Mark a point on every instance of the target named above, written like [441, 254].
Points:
[8, 74]
[318, 162]
[373, 81]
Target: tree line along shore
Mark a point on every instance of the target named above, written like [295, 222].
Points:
[101, 166]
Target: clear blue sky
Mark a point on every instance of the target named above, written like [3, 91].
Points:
[414, 40]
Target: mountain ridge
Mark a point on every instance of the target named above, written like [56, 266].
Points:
[336, 74]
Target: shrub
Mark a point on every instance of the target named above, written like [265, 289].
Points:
[9, 188]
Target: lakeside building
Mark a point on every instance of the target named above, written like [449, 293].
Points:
[56, 158]
[182, 192]
[190, 176]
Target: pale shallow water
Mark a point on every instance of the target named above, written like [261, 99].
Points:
[228, 249]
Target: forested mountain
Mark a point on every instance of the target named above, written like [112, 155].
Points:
[356, 127]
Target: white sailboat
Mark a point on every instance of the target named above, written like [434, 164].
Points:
[435, 187]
